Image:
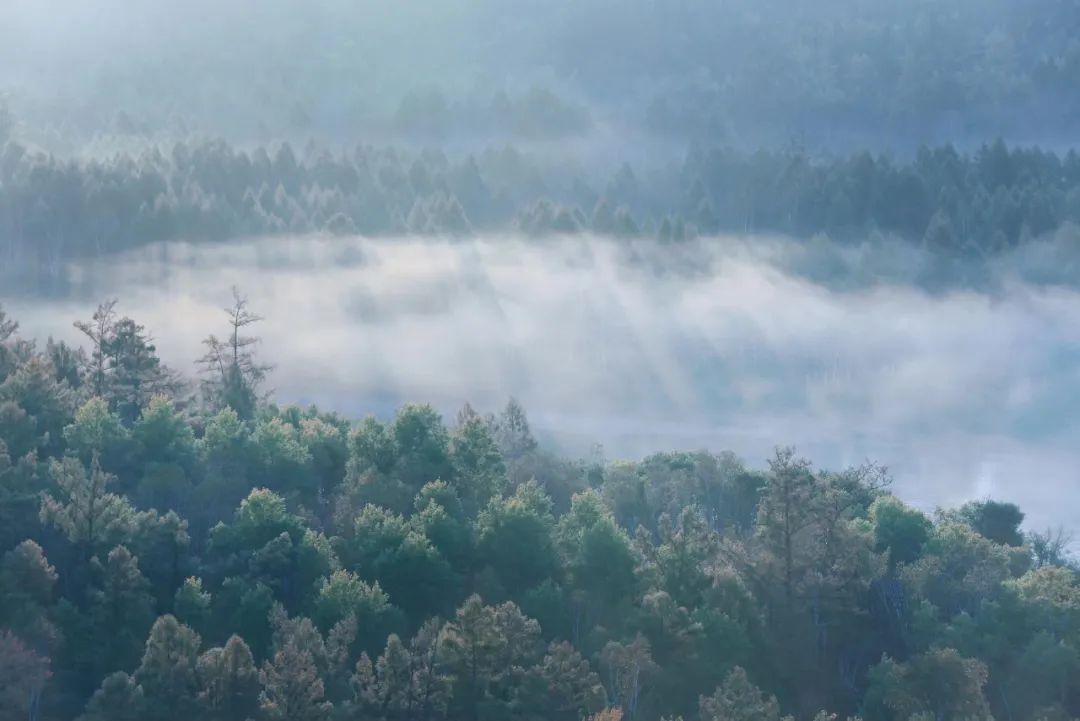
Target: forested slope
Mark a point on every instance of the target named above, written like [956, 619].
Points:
[971, 205]
[180, 548]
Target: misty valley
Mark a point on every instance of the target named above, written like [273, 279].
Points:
[577, 360]
[630, 357]
[727, 344]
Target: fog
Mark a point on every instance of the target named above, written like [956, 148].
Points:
[641, 347]
[832, 75]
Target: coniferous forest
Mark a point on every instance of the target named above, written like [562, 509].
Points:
[809, 272]
[972, 205]
[177, 546]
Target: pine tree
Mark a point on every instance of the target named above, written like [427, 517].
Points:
[83, 508]
[229, 682]
[191, 604]
[23, 676]
[99, 330]
[136, 374]
[118, 699]
[121, 610]
[233, 375]
[628, 668]
[292, 689]
[737, 699]
[167, 672]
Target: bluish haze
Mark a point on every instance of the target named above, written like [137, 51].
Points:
[723, 344]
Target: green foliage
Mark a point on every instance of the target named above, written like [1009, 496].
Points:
[318, 562]
[121, 609]
[737, 699]
[515, 538]
[228, 682]
[973, 204]
[38, 407]
[167, 673]
[292, 689]
[596, 553]
[26, 577]
[20, 486]
[82, 507]
[192, 604]
[940, 683]
[478, 464]
[343, 595]
[118, 699]
[899, 529]
[23, 675]
[959, 569]
[96, 430]
[486, 648]
[165, 446]
[1000, 522]
[423, 447]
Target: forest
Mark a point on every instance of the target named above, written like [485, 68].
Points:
[693, 117]
[176, 546]
[954, 204]
[840, 238]
[620, 74]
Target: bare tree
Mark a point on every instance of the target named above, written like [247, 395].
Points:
[1051, 548]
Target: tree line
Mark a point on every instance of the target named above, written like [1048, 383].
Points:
[176, 547]
[970, 204]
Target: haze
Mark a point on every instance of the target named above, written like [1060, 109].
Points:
[508, 360]
[718, 345]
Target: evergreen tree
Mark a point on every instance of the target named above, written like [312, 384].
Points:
[292, 689]
[83, 508]
[167, 673]
[233, 374]
[228, 682]
[118, 699]
[121, 610]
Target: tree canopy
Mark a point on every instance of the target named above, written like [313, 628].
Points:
[199, 552]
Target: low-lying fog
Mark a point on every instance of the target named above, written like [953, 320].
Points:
[961, 393]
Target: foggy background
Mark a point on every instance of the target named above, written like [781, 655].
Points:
[606, 77]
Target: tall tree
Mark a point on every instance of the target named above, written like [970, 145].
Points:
[23, 676]
[568, 687]
[83, 508]
[8, 358]
[1000, 522]
[167, 673]
[628, 668]
[786, 518]
[292, 689]
[136, 374]
[737, 699]
[229, 682]
[121, 610]
[515, 538]
[27, 582]
[34, 409]
[478, 463]
[940, 683]
[487, 649]
[233, 374]
[99, 329]
[118, 699]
